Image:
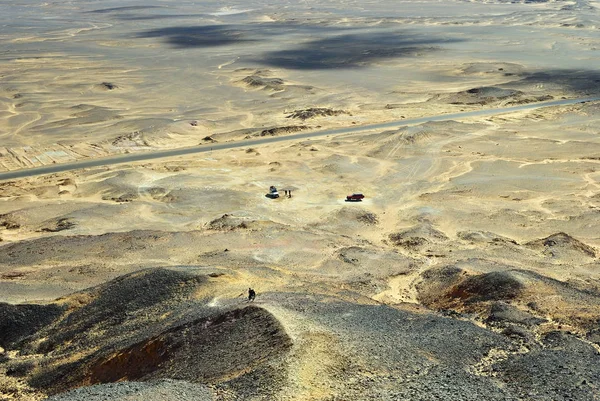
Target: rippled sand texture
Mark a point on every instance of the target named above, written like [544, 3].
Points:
[86, 79]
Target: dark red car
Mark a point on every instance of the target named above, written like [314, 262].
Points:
[355, 197]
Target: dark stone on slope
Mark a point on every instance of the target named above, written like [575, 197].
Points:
[161, 390]
[594, 336]
[565, 369]
[502, 313]
[20, 321]
[518, 333]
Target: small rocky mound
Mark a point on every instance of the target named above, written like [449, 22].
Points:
[492, 91]
[403, 137]
[20, 321]
[366, 269]
[389, 144]
[348, 220]
[160, 390]
[561, 246]
[494, 286]
[228, 222]
[279, 131]
[134, 139]
[437, 281]
[530, 99]
[483, 95]
[8, 222]
[415, 136]
[59, 225]
[314, 112]
[358, 255]
[256, 81]
[452, 288]
[417, 237]
[108, 86]
[123, 198]
[484, 237]
[368, 218]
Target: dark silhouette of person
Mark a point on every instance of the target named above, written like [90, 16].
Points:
[251, 295]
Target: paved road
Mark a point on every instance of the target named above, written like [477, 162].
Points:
[128, 158]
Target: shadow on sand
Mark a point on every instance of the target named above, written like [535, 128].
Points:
[334, 48]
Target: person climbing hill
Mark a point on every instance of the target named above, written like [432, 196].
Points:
[251, 295]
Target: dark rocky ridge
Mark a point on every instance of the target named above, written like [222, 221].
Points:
[165, 324]
[278, 131]
[208, 350]
[142, 326]
[150, 327]
[119, 309]
[314, 112]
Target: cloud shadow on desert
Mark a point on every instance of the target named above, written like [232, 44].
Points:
[130, 17]
[121, 9]
[200, 36]
[354, 50]
[135, 13]
[334, 47]
[581, 82]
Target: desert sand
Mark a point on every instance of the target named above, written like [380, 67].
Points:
[470, 271]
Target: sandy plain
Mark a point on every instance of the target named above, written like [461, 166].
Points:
[469, 271]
